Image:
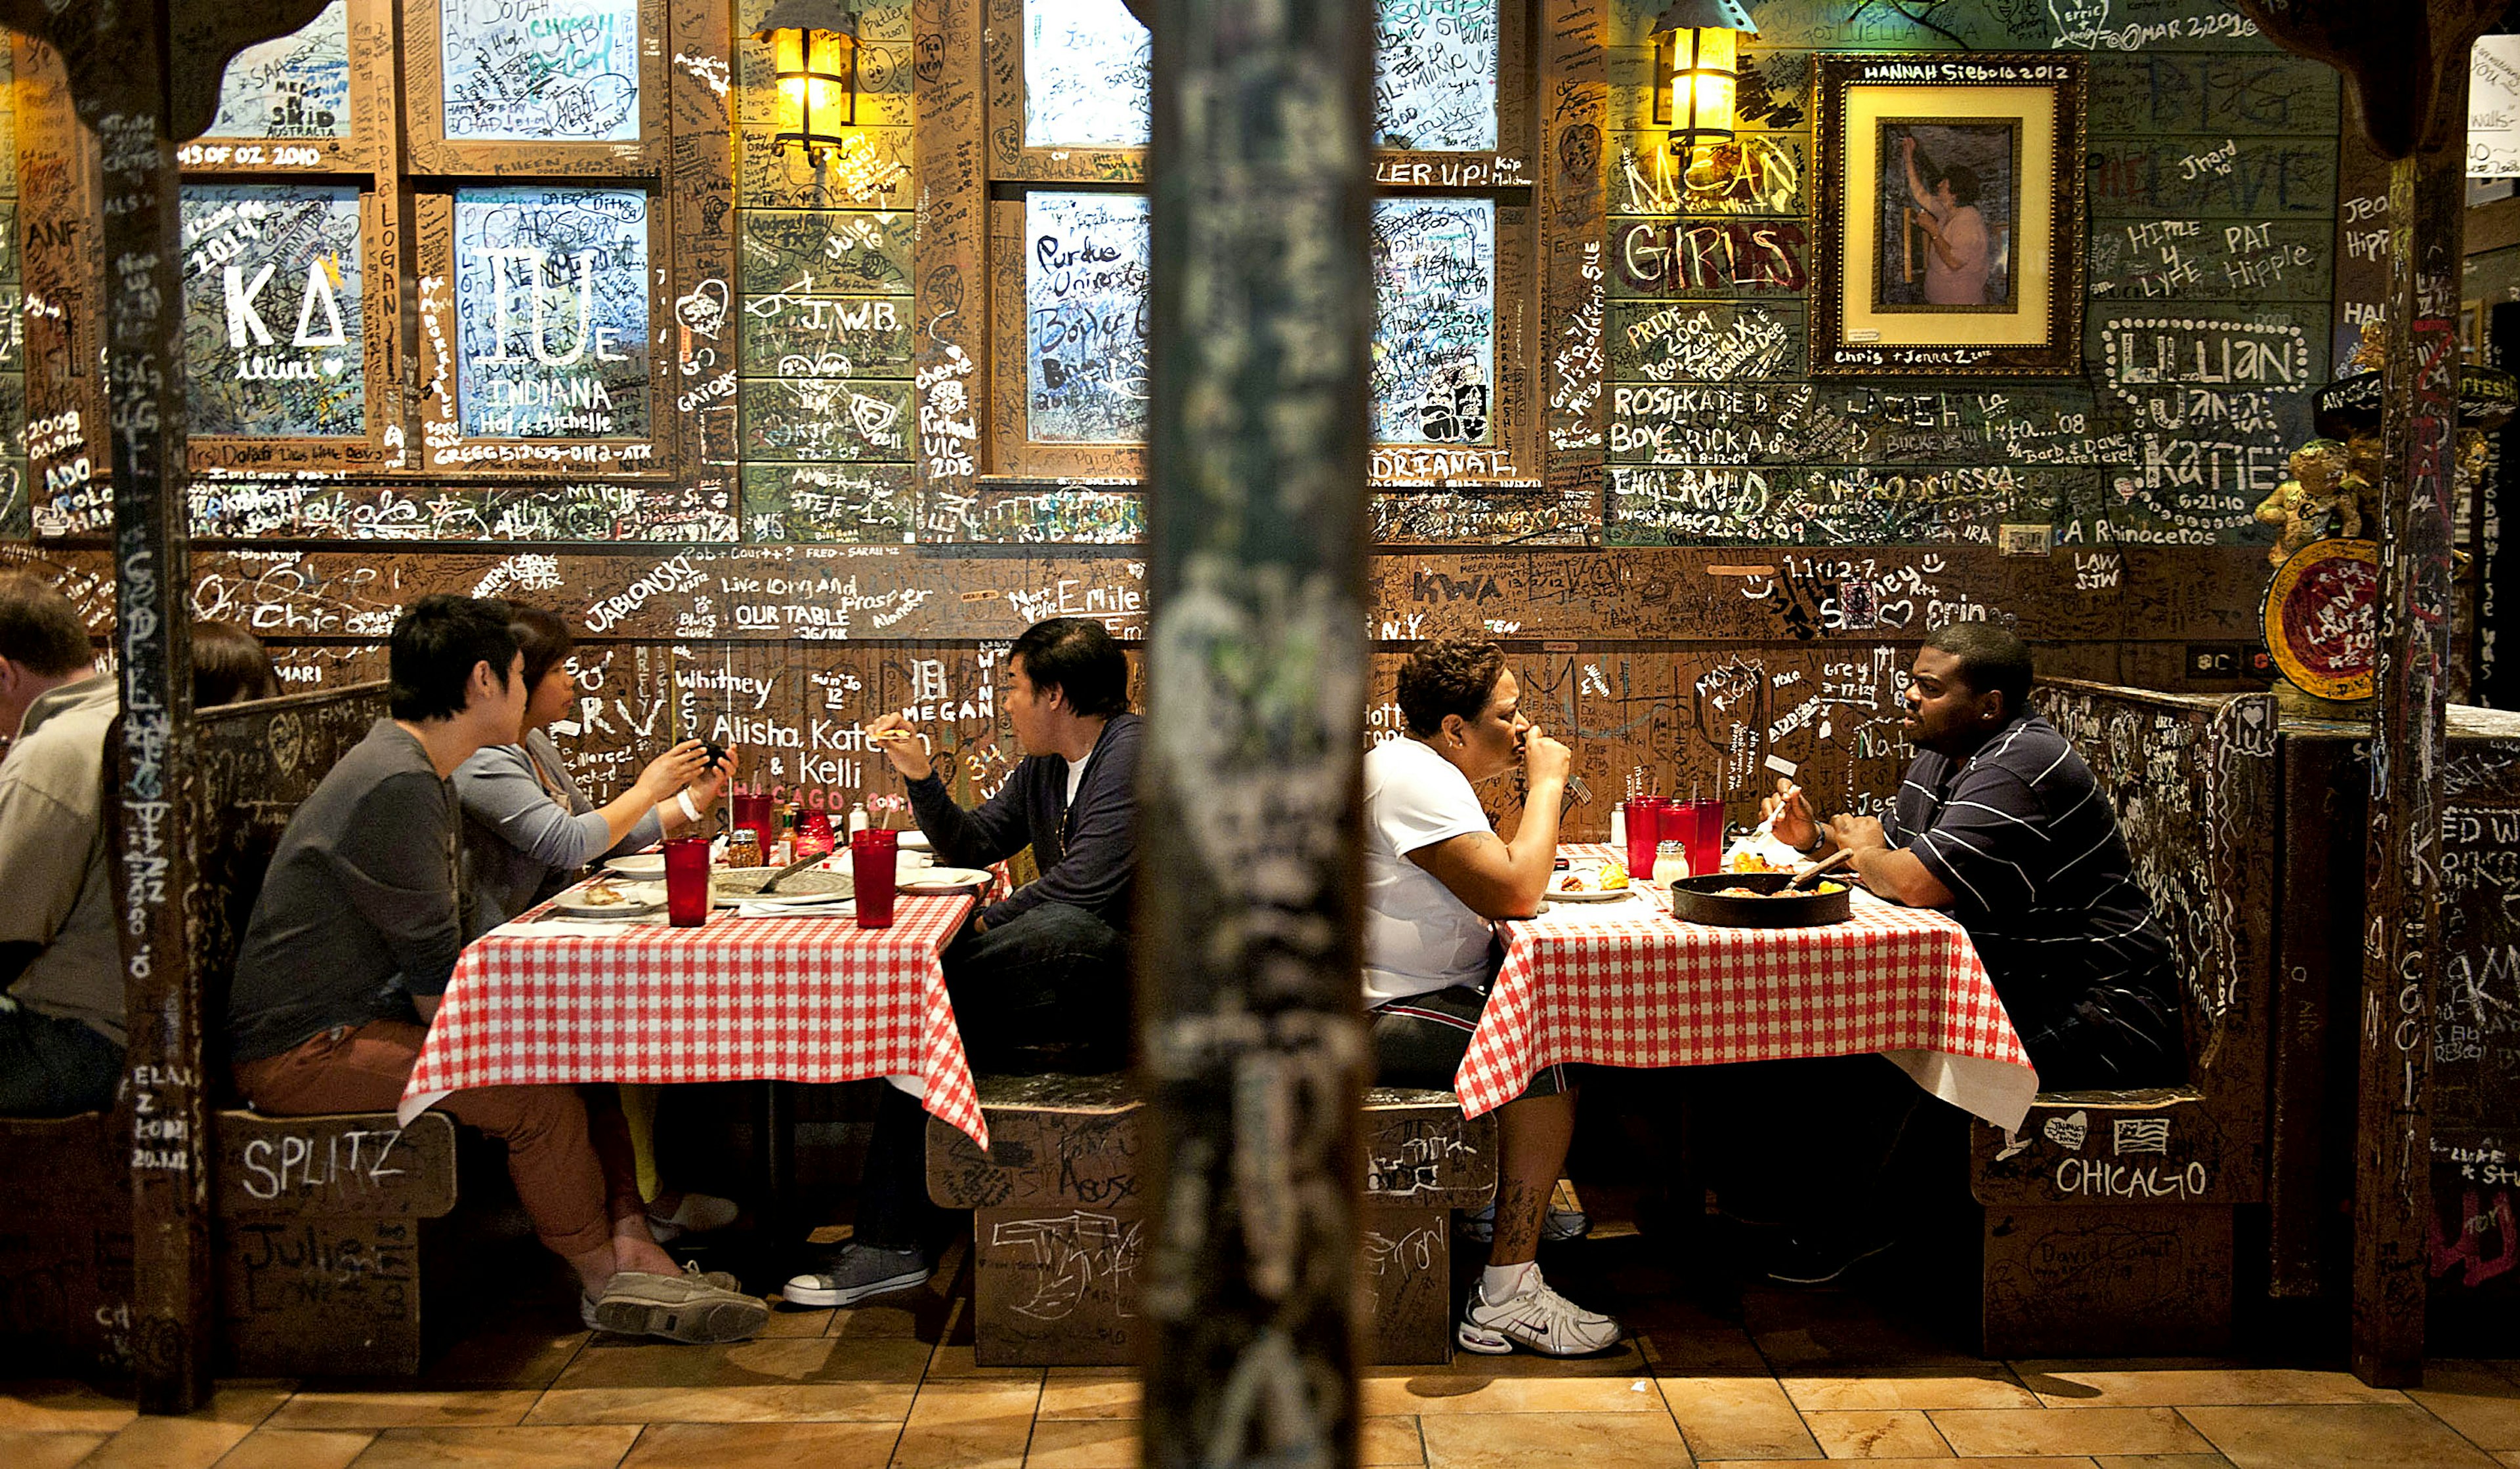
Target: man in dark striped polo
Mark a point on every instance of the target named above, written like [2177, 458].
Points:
[1999, 824]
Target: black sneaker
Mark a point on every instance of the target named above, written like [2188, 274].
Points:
[857, 1273]
[1805, 1261]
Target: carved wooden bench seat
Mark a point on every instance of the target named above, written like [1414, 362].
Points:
[319, 1239]
[2109, 1215]
[317, 1243]
[1057, 1218]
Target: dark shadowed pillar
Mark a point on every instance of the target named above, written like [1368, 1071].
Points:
[1250, 883]
[115, 53]
[2407, 63]
[2392, 1201]
[119, 82]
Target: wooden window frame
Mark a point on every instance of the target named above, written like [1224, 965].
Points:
[650, 457]
[1504, 174]
[366, 160]
[432, 152]
[1018, 454]
[381, 446]
[376, 121]
[1010, 159]
[1513, 449]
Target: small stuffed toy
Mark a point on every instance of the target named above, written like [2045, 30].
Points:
[2324, 486]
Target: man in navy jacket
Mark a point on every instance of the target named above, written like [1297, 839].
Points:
[1047, 965]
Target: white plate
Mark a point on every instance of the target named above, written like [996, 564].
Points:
[782, 899]
[649, 864]
[640, 900]
[943, 880]
[1612, 896]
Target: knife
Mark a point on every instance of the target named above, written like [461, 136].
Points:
[788, 871]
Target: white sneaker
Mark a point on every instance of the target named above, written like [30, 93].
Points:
[1539, 1320]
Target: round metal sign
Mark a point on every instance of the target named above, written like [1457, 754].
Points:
[2322, 618]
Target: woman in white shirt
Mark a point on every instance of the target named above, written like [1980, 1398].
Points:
[1436, 879]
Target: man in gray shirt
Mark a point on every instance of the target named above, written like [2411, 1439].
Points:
[61, 1022]
[354, 938]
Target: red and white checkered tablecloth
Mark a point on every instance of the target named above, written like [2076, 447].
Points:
[1626, 984]
[800, 999]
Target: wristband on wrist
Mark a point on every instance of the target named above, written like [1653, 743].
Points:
[690, 813]
[1814, 842]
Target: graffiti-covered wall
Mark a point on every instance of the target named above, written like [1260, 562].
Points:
[550, 312]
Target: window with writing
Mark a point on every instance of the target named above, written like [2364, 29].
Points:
[1435, 76]
[1085, 309]
[297, 86]
[1446, 231]
[273, 315]
[552, 298]
[539, 70]
[1434, 326]
[1087, 67]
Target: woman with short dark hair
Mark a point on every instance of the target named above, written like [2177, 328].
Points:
[529, 831]
[230, 666]
[527, 828]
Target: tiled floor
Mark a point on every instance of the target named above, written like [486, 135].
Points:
[1791, 1377]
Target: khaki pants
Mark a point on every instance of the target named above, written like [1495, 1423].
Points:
[568, 1152]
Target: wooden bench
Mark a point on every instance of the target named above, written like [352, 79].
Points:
[316, 1218]
[1059, 1225]
[2109, 1217]
[318, 1223]
[317, 1243]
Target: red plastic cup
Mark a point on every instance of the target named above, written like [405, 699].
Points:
[1705, 835]
[1645, 829]
[871, 856]
[687, 881]
[753, 809]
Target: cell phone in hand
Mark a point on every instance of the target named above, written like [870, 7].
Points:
[716, 751]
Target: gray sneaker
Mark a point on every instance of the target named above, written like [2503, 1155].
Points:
[856, 1273]
[678, 1307]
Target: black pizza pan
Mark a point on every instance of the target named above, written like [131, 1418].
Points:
[1699, 899]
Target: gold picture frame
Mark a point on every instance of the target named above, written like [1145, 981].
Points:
[1949, 216]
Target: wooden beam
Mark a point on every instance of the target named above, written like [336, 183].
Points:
[949, 347]
[2402, 936]
[119, 69]
[137, 104]
[1247, 983]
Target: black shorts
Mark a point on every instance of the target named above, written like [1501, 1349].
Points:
[1419, 1041]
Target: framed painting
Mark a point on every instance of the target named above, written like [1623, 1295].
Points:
[1949, 203]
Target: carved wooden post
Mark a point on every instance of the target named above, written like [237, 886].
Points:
[2408, 65]
[117, 55]
[2401, 946]
[1247, 970]
[165, 1101]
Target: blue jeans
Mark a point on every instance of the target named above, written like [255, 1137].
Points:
[1053, 976]
[54, 1068]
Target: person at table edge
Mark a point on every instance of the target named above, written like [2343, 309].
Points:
[354, 938]
[1048, 965]
[2001, 825]
[1436, 880]
[529, 832]
[61, 1033]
